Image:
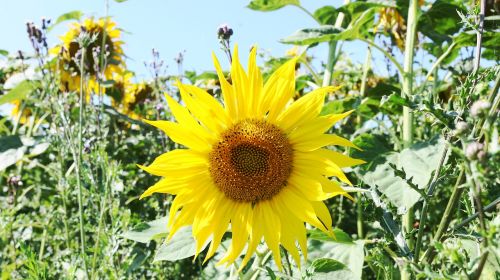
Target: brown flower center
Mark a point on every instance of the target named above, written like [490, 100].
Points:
[252, 162]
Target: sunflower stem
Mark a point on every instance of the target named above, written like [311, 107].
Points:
[411, 24]
[332, 49]
[430, 192]
[79, 165]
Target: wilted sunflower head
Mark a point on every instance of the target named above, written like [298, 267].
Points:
[19, 112]
[121, 84]
[104, 53]
[258, 162]
[135, 95]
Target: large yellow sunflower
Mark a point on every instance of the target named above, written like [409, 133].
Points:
[257, 163]
[107, 35]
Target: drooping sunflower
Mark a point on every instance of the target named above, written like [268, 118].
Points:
[106, 50]
[135, 96]
[258, 162]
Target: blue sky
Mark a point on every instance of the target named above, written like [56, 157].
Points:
[171, 27]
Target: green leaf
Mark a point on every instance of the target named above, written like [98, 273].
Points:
[19, 92]
[339, 106]
[372, 145]
[441, 21]
[271, 5]
[120, 1]
[418, 163]
[181, 246]
[145, 232]
[327, 33]
[326, 265]
[73, 15]
[339, 236]
[326, 15]
[350, 255]
[11, 150]
[309, 36]
[4, 52]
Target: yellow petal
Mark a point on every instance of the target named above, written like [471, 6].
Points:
[240, 86]
[255, 85]
[183, 135]
[300, 207]
[306, 108]
[227, 91]
[339, 159]
[315, 127]
[278, 90]
[322, 140]
[204, 107]
[240, 223]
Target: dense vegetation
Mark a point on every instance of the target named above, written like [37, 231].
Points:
[426, 200]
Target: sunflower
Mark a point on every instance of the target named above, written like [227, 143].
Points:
[135, 96]
[105, 34]
[17, 114]
[257, 163]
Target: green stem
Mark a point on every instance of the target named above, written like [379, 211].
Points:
[388, 55]
[359, 210]
[423, 215]
[438, 62]
[79, 164]
[447, 216]
[411, 33]
[332, 48]
[308, 13]
[327, 76]
[366, 68]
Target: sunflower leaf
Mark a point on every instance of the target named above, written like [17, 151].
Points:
[181, 246]
[339, 236]
[12, 150]
[145, 232]
[418, 162]
[20, 91]
[271, 5]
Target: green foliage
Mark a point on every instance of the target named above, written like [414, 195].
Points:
[19, 92]
[53, 193]
[270, 5]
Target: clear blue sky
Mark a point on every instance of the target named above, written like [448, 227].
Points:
[171, 26]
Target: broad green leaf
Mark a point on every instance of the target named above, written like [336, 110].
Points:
[19, 92]
[419, 161]
[120, 1]
[145, 232]
[350, 255]
[325, 268]
[271, 5]
[326, 265]
[309, 36]
[339, 106]
[4, 52]
[372, 145]
[326, 15]
[339, 236]
[327, 33]
[181, 246]
[73, 15]
[441, 21]
[12, 150]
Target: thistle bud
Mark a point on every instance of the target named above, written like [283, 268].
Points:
[480, 108]
[224, 32]
[460, 128]
[474, 151]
